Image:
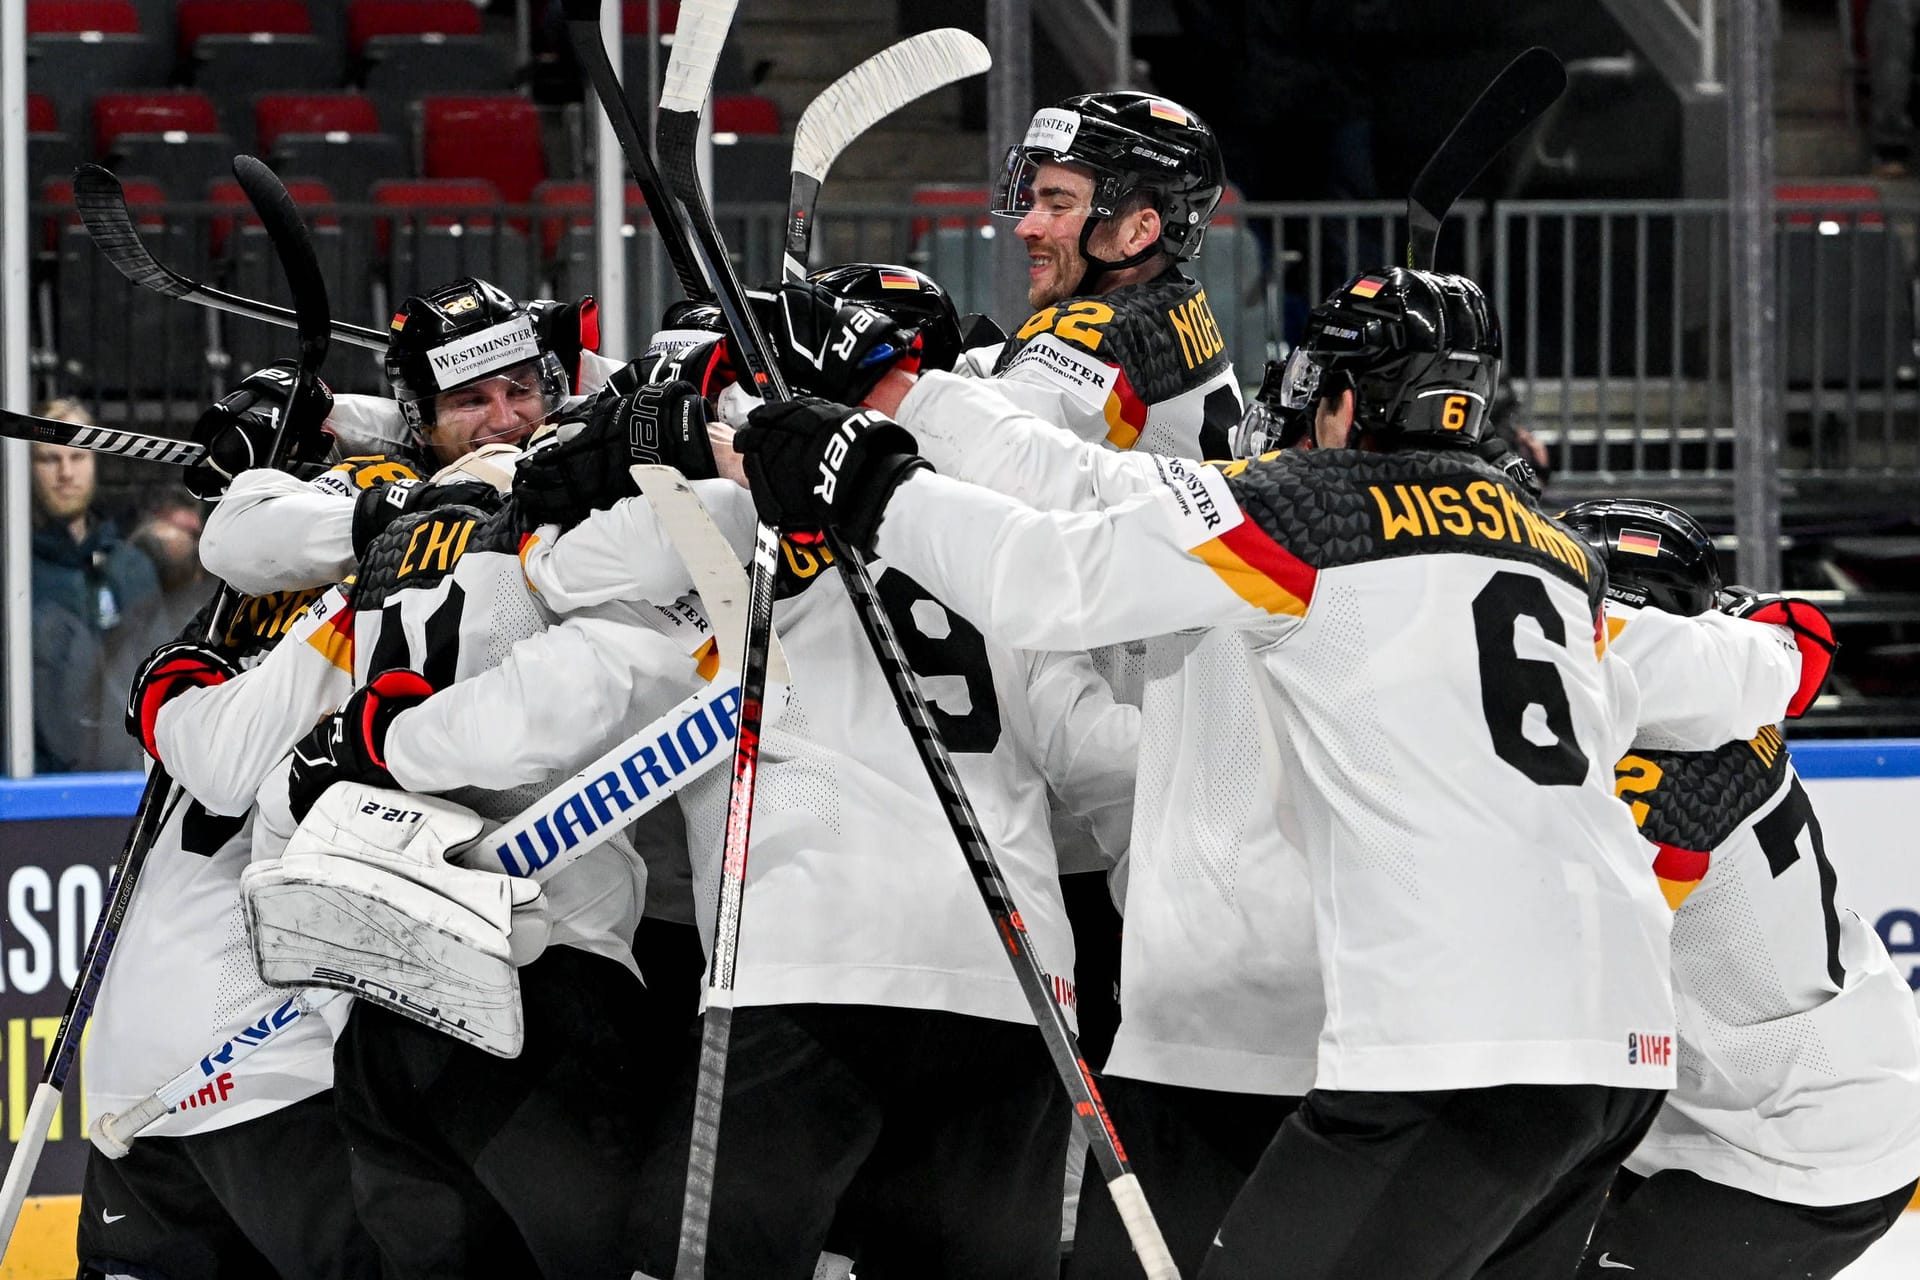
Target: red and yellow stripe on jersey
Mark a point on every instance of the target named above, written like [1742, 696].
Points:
[1125, 411]
[1261, 571]
[1679, 871]
[329, 623]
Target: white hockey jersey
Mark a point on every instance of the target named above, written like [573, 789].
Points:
[1434, 673]
[856, 891]
[183, 979]
[1220, 979]
[272, 531]
[1799, 1047]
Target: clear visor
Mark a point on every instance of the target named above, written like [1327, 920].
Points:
[1020, 189]
[502, 406]
[1300, 383]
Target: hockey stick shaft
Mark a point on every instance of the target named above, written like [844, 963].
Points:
[295, 249]
[1514, 99]
[127, 444]
[102, 205]
[114, 1131]
[861, 99]
[703, 26]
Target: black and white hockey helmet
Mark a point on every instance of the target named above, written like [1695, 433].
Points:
[913, 298]
[1131, 142]
[464, 333]
[1656, 554]
[1420, 351]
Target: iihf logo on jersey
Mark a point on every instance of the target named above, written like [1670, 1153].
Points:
[1649, 1049]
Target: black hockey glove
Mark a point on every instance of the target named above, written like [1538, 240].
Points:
[827, 346]
[380, 506]
[169, 671]
[813, 464]
[664, 423]
[566, 329]
[351, 744]
[1510, 460]
[1812, 634]
[238, 429]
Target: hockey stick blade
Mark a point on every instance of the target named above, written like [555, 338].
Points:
[127, 444]
[113, 1132]
[857, 101]
[1518, 96]
[102, 205]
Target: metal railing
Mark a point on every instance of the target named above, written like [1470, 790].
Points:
[1615, 313]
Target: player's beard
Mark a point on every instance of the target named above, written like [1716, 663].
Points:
[1058, 278]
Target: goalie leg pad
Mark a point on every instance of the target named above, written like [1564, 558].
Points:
[320, 920]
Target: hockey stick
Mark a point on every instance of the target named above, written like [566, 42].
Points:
[1518, 96]
[128, 444]
[295, 250]
[113, 1132]
[859, 100]
[702, 29]
[102, 206]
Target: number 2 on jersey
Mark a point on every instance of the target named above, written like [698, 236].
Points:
[1510, 685]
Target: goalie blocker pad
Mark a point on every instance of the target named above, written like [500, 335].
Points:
[364, 902]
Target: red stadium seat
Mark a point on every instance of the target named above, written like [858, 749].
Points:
[745, 113]
[196, 18]
[278, 113]
[53, 17]
[1848, 203]
[159, 111]
[309, 196]
[633, 17]
[369, 18]
[574, 200]
[42, 117]
[409, 197]
[490, 136]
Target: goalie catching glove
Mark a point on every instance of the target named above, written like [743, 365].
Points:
[351, 744]
[238, 429]
[663, 423]
[1812, 635]
[812, 464]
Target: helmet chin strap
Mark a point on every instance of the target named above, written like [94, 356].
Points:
[1097, 267]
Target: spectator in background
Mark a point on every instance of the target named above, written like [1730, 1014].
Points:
[85, 580]
[169, 534]
[1889, 34]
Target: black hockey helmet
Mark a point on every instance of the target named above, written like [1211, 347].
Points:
[1655, 553]
[1132, 142]
[459, 334]
[1419, 350]
[912, 298]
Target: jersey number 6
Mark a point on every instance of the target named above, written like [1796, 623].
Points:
[1510, 684]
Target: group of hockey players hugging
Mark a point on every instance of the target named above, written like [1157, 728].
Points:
[1475, 921]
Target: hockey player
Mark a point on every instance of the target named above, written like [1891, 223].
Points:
[469, 367]
[1112, 192]
[884, 1079]
[207, 1190]
[1792, 1140]
[1492, 948]
[518, 1147]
